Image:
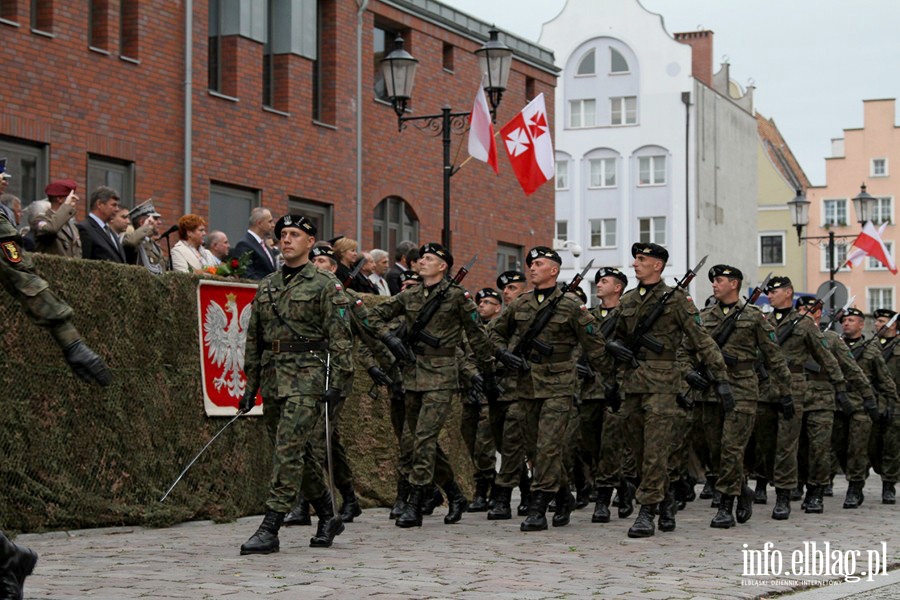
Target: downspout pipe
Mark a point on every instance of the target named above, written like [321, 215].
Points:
[188, 100]
[361, 5]
[686, 99]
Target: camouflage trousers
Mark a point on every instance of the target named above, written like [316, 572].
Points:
[571, 453]
[475, 427]
[850, 441]
[884, 449]
[603, 445]
[680, 455]
[342, 472]
[426, 413]
[294, 425]
[545, 422]
[514, 450]
[652, 424]
[776, 443]
[726, 436]
[814, 453]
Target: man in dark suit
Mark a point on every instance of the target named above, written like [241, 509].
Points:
[262, 259]
[399, 267]
[98, 241]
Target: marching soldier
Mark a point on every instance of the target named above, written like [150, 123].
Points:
[298, 355]
[884, 451]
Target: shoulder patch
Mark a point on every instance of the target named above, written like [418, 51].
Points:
[467, 295]
[338, 287]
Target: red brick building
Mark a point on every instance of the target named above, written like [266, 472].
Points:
[95, 91]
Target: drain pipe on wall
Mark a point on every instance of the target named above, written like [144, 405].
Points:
[686, 99]
[188, 96]
[361, 5]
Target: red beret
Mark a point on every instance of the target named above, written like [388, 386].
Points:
[61, 187]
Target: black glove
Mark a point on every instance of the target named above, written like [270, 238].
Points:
[871, 408]
[248, 401]
[787, 407]
[684, 401]
[618, 350]
[379, 376]
[843, 400]
[611, 395]
[86, 364]
[332, 396]
[584, 371]
[477, 383]
[397, 348]
[723, 391]
[510, 360]
[491, 389]
[697, 381]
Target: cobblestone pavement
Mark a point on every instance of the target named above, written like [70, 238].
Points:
[473, 559]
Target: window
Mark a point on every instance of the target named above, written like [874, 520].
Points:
[28, 165]
[98, 25]
[9, 10]
[617, 62]
[623, 110]
[268, 60]
[873, 264]
[229, 210]
[603, 233]
[117, 174]
[214, 58]
[840, 254]
[582, 113]
[529, 89]
[652, 229]
[883, 211]
[879, 167]
[129, 28]
[834, 213]
[384, 43]
[394, 222]
[320, 214]
[562, 231]
[324, 90]
[447, 57]
[509, 257]
[562, 174]
[771, 249]
[587, 64]
[652, 170]
[880, 297]
[603, 172]
[42, 15]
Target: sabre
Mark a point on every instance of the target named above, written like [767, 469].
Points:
[328, 457]
[202, 450]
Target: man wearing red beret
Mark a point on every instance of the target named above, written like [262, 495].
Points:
[55, 231]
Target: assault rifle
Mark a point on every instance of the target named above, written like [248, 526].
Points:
[606, 330]
[529, 347]
[857, 351]
[785, 333]
[836, 317]
[354, 273]
[889, 347]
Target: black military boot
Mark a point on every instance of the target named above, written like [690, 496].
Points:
[330, 525]
[815, 504]
[537, 512]
[565, 504]
[87, 364]
[888, 493]
[501, 511]
[643, 526]
[810, 489]
[479, 501]
[782, 508]
[525, 492]
[854, 498]
[681, 493]
[299, 515]
[626, 497]
[412, 513]
[797, 493]
[265, 540]
[829, 489]
[582, 498]
[403, 489]
[350, 508]
[724, 519]
[709, 487]
[16, 563]
[601, 509]
[457, 503]
[760, 496]
[667, 512]
[744, 505]
[431, 499]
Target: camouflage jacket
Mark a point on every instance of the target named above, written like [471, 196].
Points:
[877, 372]
[570, 324]
[805, 343]
[594, 390]
[891, 346]
[507, 379]
[821, 392]
[679, 324]
[316, 309]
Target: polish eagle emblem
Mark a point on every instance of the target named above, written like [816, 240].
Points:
[224, 337]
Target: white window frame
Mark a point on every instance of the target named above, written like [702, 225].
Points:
[872, 172]
[628, 64]
[759, 252]
[576, 107]
[607, 165]
[562, 174]
[889, 200]
[654, 239]
[621, 104]
[592, 52]
[605, 225]
[873, 264]
[558, 240]
[823, 256]
[652, 170]
[826, 202]
[879, 288]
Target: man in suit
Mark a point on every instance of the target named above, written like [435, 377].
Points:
[399, 267]
[262, 259]
[98, 241]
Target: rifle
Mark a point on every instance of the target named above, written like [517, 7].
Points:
[354, 272]
[417, 333]
[857, 351]
[836, 317]
[787, 331]
[889, 347]
[529, 347]
[641, 337]
[606, 330]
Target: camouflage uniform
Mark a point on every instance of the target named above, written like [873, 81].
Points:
[885, 456]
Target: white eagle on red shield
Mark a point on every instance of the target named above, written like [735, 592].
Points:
[225, 338]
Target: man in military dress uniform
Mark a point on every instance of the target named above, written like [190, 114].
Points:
[884, 451]
[298, 355]
[55, 231]
[140, 247]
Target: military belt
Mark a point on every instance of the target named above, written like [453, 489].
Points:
[667, 355]
[278, 346]
[444, 352]
[556, 357]
[817, 376]
[796, 369]
[742, 365]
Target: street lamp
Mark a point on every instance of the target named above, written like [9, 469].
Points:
[399, 70]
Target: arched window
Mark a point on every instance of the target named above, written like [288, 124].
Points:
[586, 66]
[617, 62]
[394, 222]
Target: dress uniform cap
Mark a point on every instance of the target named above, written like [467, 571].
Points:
[487, 293]
[439, 251]
[297, 221]
[61, 187]
[508, 277]
[410, 276]
[804, 301]
[650, 249]
[725, 271]
[542, 252]
[853, 312]
[143, 209]
[778, 282]
[3, 172]
[883, 312]
[610, 272]
[322, 251]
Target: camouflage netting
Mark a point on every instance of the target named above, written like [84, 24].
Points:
[77, 456]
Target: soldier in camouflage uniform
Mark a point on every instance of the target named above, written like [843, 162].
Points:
[884, 451]
[298, 354]
[546, 384]
[651, 380]
[431, 380]
[852, 426]
[779, 421]
[727, 427]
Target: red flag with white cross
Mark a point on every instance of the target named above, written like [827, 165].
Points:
[526, 139]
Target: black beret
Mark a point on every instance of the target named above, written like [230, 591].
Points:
[542, 252]
[883, 312]
[322, 251]
[610, 272]
[508, 277]
[650, 249]
[487, 293]
[410, 276]
[804, 301]
[853, 312]
[439, 251]
[298, 221]
[725, 271]
[778, 282]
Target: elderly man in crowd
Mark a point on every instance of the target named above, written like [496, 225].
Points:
[262, 261]
[54, 230]
[381, 268]
[218, 246]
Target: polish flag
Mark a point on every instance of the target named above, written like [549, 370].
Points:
[869, 243]
[482, 145]
[527, 141]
